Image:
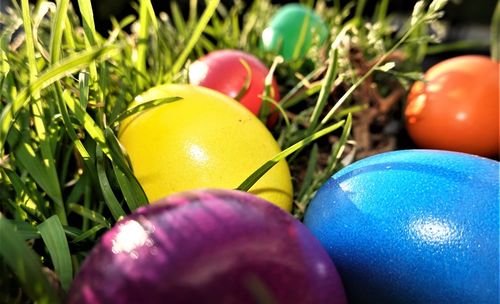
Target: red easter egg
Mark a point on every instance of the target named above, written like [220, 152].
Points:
[224, 71]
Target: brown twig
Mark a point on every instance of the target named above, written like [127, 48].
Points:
[371, 140]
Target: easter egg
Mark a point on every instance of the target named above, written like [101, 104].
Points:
[293, 30]
[205, 140]
[412, 226]
[456, 106]
[210, 246]
[225, 71]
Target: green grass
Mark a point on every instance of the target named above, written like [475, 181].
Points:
[65, 88]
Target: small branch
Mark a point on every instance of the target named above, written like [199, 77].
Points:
[379, 107]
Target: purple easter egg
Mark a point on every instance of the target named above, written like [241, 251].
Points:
[208, 246]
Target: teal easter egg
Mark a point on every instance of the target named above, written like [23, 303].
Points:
[292, 30]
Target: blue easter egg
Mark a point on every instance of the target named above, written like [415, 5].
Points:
[415, 226]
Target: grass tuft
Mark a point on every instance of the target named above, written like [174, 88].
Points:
[66, 90]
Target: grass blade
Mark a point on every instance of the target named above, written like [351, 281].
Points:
[177, 18]
[85, 7]
[142, 107]
[58, 95]
[27, 158]
[88, 233]
[311, 168]
[25, 264]
[417, 23]
[200, 26]
[246, 83]
[114, 150]
[91, 35]
[57, 30]
[53, 236]
[295, 96]
[254, 177]
[193, 12]
[381, 10]
[68, 35]
[142, 46]
[335, 157]
[132, 191]
[109, 197]
[88, 213]
[48, 163]
[30, 44]
[340, 146]
[54, 73]
[84, 118]
[326, 88]
[495, 34]
[25, 196]
[358, 14]
[299, 46]
[26, 230]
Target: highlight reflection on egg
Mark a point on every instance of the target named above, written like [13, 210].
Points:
[232, 72]
[204, 140]
[208, 246]
[293, 30]
[417, 226]
[456, 106]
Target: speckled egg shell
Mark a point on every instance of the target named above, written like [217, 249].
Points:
[416, 226]
[210, 246]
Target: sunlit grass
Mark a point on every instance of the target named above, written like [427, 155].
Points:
[65, 88]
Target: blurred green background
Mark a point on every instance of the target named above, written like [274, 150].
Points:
[462, 13]
[464, 19]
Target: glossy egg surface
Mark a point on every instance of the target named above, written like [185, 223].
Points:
[225, 71]
[210, 246]
[205, 140]
[414, 226]
[456, 107]
[292, 31]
